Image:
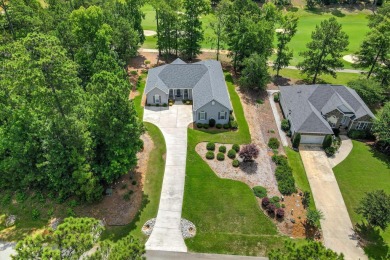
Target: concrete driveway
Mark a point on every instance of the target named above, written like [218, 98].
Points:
[173, 123]
[337, 226]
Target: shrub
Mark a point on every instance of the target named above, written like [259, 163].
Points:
[336, 131]
[134, 182]
[212, 122]
[260, 191]
[188, 102]
[134, 72]
[234, 125]
[306, 199]
[50, 212]
[219, 126]
[275, 199]
[313, 217]
[226, 126]
[330, 151]
[289, 133]
[222, 149]
[210, 146]
[259, 101]
[70, 212]
[236, 147]
[283, 205]
[279, 159]
[210, 155]
[199, 125]
[220, 156]
[249, 152]
[271, 208]
[35, 214]
[285, 179]
[127, 195]
[296, 140]
[231, 118]
[273, 143]
[235, 163]
[206, 126]
[280, 213]
[327, 141]
[165, 105]
[277, 97]
[231, 154]
[265, 202]
[157, 105]
[277, 205]
[359, 134]
[285, 125]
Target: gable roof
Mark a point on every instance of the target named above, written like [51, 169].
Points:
[306, 105]
[205, 78]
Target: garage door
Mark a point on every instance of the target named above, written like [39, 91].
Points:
[312, 139]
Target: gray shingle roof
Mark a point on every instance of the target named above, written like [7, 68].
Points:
[205, 78]
[308, 103]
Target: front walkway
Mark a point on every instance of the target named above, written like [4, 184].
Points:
[337, 226]
[342, 153]
[173, 123]
[282, 134]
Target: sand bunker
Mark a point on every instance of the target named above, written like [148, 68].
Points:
[149, 33]
[351, 58]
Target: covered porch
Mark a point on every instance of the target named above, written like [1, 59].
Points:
[180, 94]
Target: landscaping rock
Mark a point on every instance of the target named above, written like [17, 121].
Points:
[188, 228]
[147, 228]
[54, 222]
[10, 221]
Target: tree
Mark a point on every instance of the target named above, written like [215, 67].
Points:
[374, 52]
[288, 29]
[296, 140]
[192, 34]
[313, 217]
[324, 51]
[219, 23]
[369, 90]
[125, 248]
[310, 250]
[381, 127]
[249, 152]
[375, 208]
[255, 73]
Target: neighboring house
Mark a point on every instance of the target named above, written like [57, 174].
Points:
[314, 110]
[202, 82]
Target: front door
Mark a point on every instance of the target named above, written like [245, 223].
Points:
[178, 93]
[186, 94]
[345, 121]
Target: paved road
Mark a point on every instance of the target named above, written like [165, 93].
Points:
[282, 134]
[161, 255]
[337, 226]
[173, 123]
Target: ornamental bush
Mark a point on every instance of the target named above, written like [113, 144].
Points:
[206, 126]
[285, 125]
[234, 125]
[265, 202]
[274, 199]
[232, 154]
[330, 151]
[260, 191]
[279, 159]
[235, 163]
[273, 143]
[226, 126]
[212, 122]
[219, 126]
[210, 155]
[222, 149]
[199, 125]
[280, 213]
[296, 140]
[327, 141]
[249, 152]
[231, 118]
[285, 179]
[236, 147]
[210, 146]
[271, 208]
[277, 97]
[220, 156]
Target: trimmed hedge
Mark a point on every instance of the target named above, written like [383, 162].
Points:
[285, 125]
[222, 149]
[218, 126]
[285, 179]
[234, 125]
[220, 156]
[210, 146]
[210, 155]
[260, 191]
[273, 143]
[199, 125]
[279, 159]
[226, 126]
[296, 140]
[327, 141]
[235, 163]
[236, 147]
[232, 154]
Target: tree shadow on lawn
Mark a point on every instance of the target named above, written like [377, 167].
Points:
[374, 245]
[379, 155]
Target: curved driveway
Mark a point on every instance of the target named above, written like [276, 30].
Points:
[173, 123]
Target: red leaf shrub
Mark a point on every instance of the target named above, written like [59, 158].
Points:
[271, 208]
[265, 201]
[280, 213]
[249, 152]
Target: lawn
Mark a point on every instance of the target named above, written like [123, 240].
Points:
[138, 99]
[362, 171]
[152, 190]
[342, 78]
[353, 23]
[225, 212]
[301, 181]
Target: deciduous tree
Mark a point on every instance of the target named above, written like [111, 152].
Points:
[375, 208]
[255, 73]
[249, 152]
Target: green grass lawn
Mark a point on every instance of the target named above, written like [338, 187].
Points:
[152, 190]
[365, 170]
[301, 181]
[342, 78]
[138, 99]
[225, 212]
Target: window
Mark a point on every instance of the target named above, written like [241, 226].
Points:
[202, 115]
[156, 98]
[362, 125]
[222, 115]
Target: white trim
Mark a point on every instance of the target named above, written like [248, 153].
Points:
[202, 114]
[221, 115]
[364, 125]
[157, 99]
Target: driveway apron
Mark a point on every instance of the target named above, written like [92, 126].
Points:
[337, 226]
[173, 123]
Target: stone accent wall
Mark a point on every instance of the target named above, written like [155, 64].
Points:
[337, 114]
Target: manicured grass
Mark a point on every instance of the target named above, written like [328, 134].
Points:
[362, 171]
[152, 190]
[138, 99]
[301, 181]
[225, 212]
[342, 78]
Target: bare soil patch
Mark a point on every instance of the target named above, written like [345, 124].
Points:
[115, 209]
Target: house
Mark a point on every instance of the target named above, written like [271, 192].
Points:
[202, 82]
[315, 110]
